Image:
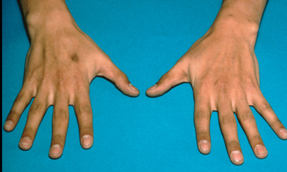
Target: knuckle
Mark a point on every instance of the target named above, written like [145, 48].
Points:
[79, 82]
[60, 80]
[121, 74]
[202, 90]
[250, 81]
[28, 130]
[61, 114]
[13, 114]
[247, 116]
[35, 76]
[201, 115]
[266, 106]
[84, 109]
[87, 129]
[234, 144]
[19, 97]
[58, 138]
[227, 120]
[166, 79]
[202, 135]
[35, 108]
[276, 122]
[222, 85]
[166, 76]
[257, 138]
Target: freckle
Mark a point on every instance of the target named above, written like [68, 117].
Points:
[75, 57]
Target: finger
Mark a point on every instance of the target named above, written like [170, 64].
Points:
[202, 114]
[84, 115]
[229, 130]
[264, 108]
[60, 125]
[248, 123]
[170, 79]
[21, 102]
[35, 115]
[119, 78]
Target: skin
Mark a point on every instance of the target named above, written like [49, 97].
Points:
[61, 63]
[221, 67]
[223, 71]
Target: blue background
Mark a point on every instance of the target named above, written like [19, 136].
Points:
[144, 39]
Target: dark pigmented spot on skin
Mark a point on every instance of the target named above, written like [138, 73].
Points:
[75, 57]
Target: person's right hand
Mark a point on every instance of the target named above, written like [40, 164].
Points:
[60, 64]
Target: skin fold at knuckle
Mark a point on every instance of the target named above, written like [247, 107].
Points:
[20, 97]
[233, 145]
[12, 114]
[58, 138]
[246, 117]
[202, 135]
[28, 131]
[36, 108]
[227, 120]
[257, 139]
[200, 116]
[61, 114]
[266, 107]
[83, 110]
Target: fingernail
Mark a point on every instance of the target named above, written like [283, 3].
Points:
[87, 141]
[204, 146]
[236, 157]
[283, 132]
[153, 87]
[55, 150]
[260, 151]
[25, 143]
[132, 87]
[8, 125]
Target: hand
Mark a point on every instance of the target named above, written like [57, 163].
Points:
[223, 71]
[60, 64]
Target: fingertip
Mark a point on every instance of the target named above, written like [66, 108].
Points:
[236, 157]
[134, 91]
[129, 90]
[260, 151]
[8, 125]
[204, 147]
[25, 143]
[283, 133]
[150, 91]
[87, 141]
[55, 151]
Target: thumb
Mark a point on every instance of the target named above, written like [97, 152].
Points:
[120, 79]
[173, 77]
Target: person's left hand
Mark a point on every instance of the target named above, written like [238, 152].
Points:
[223, 71]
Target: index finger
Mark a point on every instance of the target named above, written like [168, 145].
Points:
[21, 102]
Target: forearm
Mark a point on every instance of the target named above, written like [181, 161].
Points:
[43, 14]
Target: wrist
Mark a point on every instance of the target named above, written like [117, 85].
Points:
[238, 19]
[47, 16]
[237, 27]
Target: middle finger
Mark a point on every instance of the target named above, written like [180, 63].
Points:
[229, 131]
